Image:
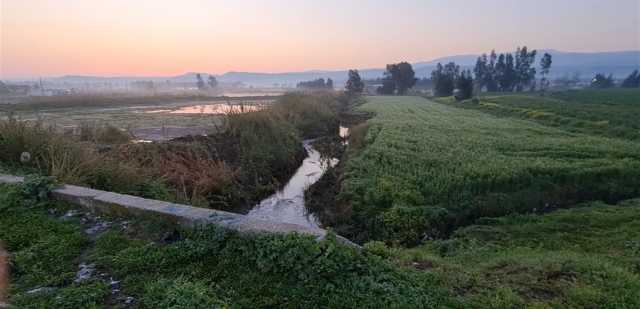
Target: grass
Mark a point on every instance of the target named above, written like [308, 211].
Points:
[518, 261]
[204, 268]
[44, 253]
[610, 112]
[428, 168]
[31, 148]
[584, 257]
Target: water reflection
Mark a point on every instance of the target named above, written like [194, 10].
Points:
[213, 109]
[287, 205]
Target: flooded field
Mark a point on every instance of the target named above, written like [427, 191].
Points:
[153, 121]
[214, 108]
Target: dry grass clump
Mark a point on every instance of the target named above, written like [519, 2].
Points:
[192, 170]
[35, 148]
[106, 134]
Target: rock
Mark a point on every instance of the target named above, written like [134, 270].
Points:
[85, 272]
[99, 227]
[42, 290]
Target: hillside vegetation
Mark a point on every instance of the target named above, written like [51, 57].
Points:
[428, 168]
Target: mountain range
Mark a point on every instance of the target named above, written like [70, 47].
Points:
[586, 65]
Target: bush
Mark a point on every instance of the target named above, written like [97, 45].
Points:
[312, 115]
[104, 134]
[410, 225]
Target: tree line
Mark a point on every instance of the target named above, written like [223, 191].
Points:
[508, 72]
[505, 72]
[316, 84]
[211, 83]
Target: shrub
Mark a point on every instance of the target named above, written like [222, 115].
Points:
[104, 134]
[312, 115]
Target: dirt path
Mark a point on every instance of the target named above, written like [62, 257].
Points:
[4, 276]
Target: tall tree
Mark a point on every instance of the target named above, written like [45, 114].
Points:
[329, 84]
[545, 67]
[200, 82]
[525, 73]
[481, 71]
[402, 75]
[464, 85]
[602, 81]
[632, 81]
[388, 86]
[354, 85]
[506, 75]
[444, 78]
[212, 81]
[490, 78]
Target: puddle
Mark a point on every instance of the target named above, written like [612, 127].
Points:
[287, 205]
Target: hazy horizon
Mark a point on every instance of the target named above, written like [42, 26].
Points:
[167, 38]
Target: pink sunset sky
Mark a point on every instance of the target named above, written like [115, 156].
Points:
[144, 37]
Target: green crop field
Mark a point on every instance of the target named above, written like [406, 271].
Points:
[583, 257]
[427, 168]
[611, 112]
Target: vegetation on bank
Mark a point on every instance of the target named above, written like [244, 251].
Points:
[610, 112]
[518, 261]
[28, 148]
[428, 168]
[207, 268]
[248, 157]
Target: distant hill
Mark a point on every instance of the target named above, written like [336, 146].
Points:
[620, 64]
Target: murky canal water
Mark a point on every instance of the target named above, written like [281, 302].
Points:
[287, 205]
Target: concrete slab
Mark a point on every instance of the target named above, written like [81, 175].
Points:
[10, 179]
[122, 205]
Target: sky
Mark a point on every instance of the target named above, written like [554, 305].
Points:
[162, 37]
